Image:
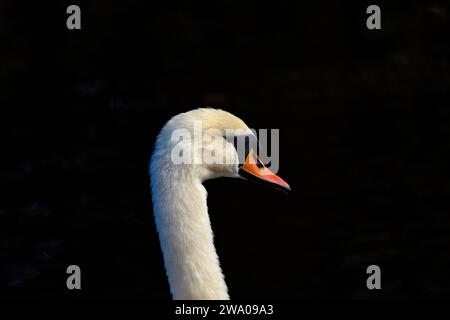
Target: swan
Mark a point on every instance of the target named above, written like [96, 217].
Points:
[179, 197]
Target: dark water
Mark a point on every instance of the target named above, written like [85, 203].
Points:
[364, 142]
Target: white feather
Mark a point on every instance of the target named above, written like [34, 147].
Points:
[180, 207]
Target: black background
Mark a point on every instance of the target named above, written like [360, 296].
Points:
[364, 127]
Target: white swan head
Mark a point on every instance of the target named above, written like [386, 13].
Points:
[212, 143]
[192, 147]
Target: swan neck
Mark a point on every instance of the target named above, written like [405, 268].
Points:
[186, 237]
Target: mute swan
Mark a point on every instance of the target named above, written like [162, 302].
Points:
[179, 199]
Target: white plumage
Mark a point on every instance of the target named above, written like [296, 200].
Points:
[180, 207]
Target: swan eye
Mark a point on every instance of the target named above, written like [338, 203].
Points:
[242, 144]
[259, 164]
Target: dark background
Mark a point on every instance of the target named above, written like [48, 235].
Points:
[364, 128]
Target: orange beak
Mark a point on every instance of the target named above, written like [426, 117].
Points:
[254, 169]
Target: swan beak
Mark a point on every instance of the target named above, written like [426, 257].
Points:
[253, 169]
